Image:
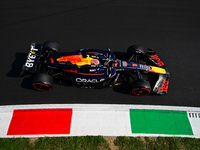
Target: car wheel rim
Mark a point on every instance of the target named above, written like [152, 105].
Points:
[41, 86]
[140, 91]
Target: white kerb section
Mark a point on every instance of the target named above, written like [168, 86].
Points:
[107, 123]
[194, 118]
[99, 119]
[5, 119]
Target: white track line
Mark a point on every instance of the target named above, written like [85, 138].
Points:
[100, 107]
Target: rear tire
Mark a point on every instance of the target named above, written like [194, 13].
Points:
[50, 46]
[141, 88]
[42, 82]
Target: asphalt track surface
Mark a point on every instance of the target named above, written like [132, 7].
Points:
[172, 28]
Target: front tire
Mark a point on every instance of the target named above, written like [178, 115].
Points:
[135, 51]
[42, 82]
[141, 88]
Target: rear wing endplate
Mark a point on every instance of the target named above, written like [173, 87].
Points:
[32, 58]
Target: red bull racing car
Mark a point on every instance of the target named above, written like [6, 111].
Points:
[143, 72]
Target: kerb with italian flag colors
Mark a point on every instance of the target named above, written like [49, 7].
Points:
[93, 120]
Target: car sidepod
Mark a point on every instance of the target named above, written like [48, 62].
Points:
[101, 77]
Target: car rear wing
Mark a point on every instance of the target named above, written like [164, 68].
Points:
[161, 85]
[32, 59]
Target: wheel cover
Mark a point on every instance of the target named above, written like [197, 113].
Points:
[41, 87]
[140, 91]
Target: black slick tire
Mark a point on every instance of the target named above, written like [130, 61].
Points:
[135, 49]
[42, 82]
[140, 88]
[51, 46]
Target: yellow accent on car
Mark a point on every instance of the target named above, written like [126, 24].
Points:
[118, 83]
[32, 52]
[85, 61]
[158, 70]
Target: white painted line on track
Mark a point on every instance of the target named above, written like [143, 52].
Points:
[96, 107]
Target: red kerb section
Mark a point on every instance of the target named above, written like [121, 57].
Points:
[40, 121]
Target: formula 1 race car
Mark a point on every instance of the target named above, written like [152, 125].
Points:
[143, 71]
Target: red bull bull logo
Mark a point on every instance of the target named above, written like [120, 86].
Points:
[77, 60]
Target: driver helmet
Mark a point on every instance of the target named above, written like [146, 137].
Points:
[95, 62]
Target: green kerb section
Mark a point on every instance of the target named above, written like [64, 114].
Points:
[160, 122]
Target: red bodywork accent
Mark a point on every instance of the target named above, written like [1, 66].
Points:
[52, 61]
[93, 53]
[152, 71]
[155, 57]
[128, 69]
[72, 71]
[134, 65]
[164, 86]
